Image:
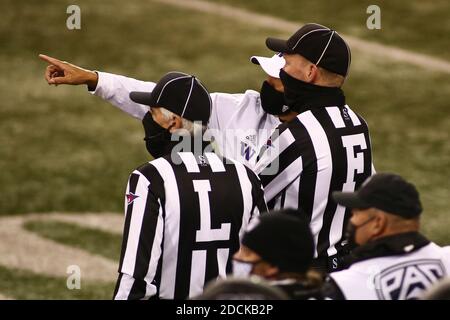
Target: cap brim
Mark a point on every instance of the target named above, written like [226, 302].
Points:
[271, 66]
[141, 97]
[278, 45]
[349, 200]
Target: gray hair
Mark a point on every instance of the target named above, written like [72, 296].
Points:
[187, 127]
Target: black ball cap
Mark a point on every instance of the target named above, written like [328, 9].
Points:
[181, 93]
[384, 191]
[283, 239]
[319, 44]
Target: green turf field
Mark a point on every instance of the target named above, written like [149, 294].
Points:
[421, 26]
[64, 150]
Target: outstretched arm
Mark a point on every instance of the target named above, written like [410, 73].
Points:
[113, 88]
[62, 72]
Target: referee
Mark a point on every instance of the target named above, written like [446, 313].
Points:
[185, 211]
[323, 146]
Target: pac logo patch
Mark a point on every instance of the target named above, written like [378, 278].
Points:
[131, 197]
[408, 281]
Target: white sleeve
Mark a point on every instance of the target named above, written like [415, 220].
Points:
[223, 108]
[239, 111]
[239, 125]
[116, 90]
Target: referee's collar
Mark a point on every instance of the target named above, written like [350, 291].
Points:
[335, 98]
[196, 145]
[397, 244]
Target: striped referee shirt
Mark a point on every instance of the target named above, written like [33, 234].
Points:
[324, 149]
[185, 216]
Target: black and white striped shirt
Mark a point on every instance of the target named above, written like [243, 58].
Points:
[324, 149]
[185, 217]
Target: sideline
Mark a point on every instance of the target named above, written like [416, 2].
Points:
[25, 250]
[266, 21]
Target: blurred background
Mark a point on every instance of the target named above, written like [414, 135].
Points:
[65, 155]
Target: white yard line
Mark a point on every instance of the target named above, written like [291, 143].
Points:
[21, 249]
[110, 222]
[266, 21]
[3, 297]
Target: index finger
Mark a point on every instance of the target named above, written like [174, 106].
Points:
[51, 60]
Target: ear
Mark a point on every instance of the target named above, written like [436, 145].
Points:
[380, 224]
[313, 72]
[271, 271]
[275, 83]
[175, 123]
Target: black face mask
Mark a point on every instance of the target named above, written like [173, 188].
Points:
[350, 233]
[300, 95]
[272, 100]
[157, 139]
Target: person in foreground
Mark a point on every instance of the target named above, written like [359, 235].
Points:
[279, 247]
[392, 260]
[322, 146]
[185, 211]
